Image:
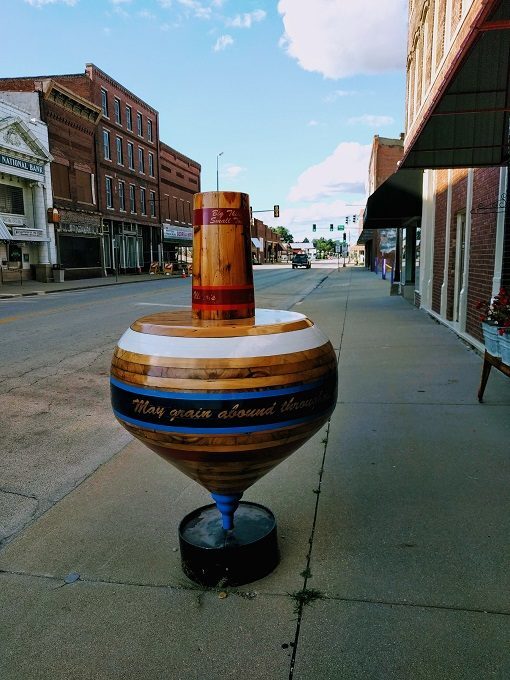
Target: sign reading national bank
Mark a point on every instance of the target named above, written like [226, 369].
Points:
[21, 164]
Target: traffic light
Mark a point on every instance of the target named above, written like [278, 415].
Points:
[354, 218]
[330, 227]
[347, 220]
[314, 227]
[276, 211]
[345, 237]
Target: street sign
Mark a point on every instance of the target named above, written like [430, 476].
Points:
[340, 227]
[338, 248]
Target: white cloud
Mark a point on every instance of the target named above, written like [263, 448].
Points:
[312, 123]
[345, 171]
[120, 2]
[145, 14]
[372, 121]
[341, 39]
[247, 19]
[337, 94]
[197, 8]
[223, 42]
[42, 3]
[233, 171]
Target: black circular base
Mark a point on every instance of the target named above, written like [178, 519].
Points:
[212, 556]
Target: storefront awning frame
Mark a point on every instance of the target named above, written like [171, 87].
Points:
[467, 122]
[396, 202]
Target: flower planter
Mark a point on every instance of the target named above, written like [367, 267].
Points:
[491, 339]
[504, 348]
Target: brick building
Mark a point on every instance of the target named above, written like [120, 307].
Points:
[267, 245]
[457, 123]
[106, 173]
[457, 130]
[179, 179]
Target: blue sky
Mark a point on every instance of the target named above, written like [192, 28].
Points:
[292, 92]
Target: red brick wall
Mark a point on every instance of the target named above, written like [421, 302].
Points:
[179, 181]
[482, 245]
[99, 80]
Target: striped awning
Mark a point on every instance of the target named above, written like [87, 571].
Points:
[5, 234]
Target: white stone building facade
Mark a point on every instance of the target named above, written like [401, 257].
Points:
[27, 240]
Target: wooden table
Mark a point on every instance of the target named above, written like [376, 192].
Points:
[488, 362]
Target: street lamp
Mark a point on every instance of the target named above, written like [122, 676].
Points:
[218, 170]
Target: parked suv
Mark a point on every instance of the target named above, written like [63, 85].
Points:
[301, 260]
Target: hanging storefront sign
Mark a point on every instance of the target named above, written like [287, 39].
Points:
[184, 235]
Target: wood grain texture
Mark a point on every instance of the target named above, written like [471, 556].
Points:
[222, 257]
[182, 325]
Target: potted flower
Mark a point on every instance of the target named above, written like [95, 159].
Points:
[495, 318]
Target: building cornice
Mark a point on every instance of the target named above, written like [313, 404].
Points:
[70, 101]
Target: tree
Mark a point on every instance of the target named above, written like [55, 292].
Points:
[284, 234]
[323, 247]
[305, 240]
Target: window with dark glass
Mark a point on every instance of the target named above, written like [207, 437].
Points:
[141, 160]
[151, 164]
[106, 145]
[116, 104]
[149, 130]
[120, 157]
[132, 198]
[131, 155]
[109, 192]
[104, 102]
[143, 205]
[11, 198]
[139, 124]
[152, 202]
[129, 118]
[122, 197]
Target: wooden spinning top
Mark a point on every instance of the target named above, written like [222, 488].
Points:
[224, 392]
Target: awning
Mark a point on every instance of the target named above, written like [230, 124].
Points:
[257, 243]
[5, 234]
[467, 123]
[395, 202]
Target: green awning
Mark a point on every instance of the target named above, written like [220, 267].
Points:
[396, 202]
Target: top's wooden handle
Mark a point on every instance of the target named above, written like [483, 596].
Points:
[222, 265]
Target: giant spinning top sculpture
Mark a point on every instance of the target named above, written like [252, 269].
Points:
[224, 392]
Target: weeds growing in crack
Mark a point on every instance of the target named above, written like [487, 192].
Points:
[304, 597]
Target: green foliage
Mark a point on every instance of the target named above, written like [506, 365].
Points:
[284, 234]
[323, 246]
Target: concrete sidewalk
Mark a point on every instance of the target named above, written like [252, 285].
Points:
[393, 528]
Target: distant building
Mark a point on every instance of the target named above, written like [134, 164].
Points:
[106, 173]
[450, 191]
[27, 242]
[267, 245]
[179, 180]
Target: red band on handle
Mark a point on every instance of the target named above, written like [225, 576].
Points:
[202, 216]
[217, 296]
